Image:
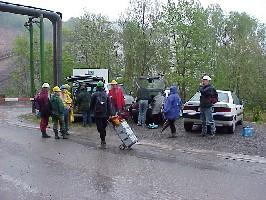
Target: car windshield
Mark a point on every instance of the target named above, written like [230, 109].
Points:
[150, 83]
[222, 97]
[91, 89]
[196, 97]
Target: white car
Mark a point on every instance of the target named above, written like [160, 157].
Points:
[227, 112]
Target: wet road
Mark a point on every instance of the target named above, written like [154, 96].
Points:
[36, 168]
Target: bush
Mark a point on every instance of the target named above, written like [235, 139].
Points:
[257, 115]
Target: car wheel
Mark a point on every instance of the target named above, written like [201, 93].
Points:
[240, 122]
[188, 126]
[231, 129]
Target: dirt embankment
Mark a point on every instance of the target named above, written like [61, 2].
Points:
[7, 38]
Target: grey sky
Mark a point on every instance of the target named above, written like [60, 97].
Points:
[113, 8]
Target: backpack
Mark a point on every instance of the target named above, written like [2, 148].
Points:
[101, 104]
[214, 97]
[36, 104]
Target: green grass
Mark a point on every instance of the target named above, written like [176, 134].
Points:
[249, 116]
[30, 117]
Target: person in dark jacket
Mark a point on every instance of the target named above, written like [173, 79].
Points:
[206, 91]
[83, 101]
[58, 110]
[143, 101]
[44, 108]
[100, 106]
[171, 110]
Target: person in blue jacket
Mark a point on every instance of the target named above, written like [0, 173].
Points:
[171, 110]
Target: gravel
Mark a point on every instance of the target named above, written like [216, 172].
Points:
[224, 142]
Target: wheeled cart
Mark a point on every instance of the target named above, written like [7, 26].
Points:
[126, 134]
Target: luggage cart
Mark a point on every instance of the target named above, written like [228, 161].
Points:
[126, 134]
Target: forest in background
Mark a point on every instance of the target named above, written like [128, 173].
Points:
[183, 41]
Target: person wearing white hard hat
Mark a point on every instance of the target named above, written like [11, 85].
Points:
[208, 94]
[43, 103]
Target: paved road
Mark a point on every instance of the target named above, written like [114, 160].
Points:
[36, 168]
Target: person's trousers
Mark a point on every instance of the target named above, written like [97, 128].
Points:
[101, 124]
[44, 123]
[86, 115]
[172, 126]
[59, 120]
[207, 120]
[66, 118]
[143, 107]
[156, 119]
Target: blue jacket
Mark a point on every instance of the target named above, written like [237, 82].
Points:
[172, 105]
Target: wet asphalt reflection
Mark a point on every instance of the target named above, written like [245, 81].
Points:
[36, 168]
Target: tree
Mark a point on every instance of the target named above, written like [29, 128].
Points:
[92, 42]
[139, 39]
[186, 26]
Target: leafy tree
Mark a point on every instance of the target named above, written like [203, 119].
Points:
[92, 42]
[140, 40]
[181, 40]
[186, 25]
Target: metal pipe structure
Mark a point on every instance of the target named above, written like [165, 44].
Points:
[31, 59]
[42, 49]
[29, 26]
[55, 18]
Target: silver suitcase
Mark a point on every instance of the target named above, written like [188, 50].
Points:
[126, 134]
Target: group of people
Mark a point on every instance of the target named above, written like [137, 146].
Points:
[83, 100]
[58, 106]
[169, 108]
[102, 105]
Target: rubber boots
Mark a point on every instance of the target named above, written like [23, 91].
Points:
[103, 144]
[173, 135]
[64, 135]
[56, 134]
[44, 135]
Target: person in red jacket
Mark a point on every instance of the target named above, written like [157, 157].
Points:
[44, 108]
[117, 97]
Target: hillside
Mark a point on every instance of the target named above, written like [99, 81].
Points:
[12, 25]
[7, 37]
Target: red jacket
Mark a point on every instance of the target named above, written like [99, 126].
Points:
[117, 97]
[44, 103]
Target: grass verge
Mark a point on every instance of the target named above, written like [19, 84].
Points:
[30, 117]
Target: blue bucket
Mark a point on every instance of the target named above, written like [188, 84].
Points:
[247, 131]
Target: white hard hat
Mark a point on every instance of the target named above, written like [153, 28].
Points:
[206, 78]
[45, 85]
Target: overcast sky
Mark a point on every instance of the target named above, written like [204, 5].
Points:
[113, 8]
